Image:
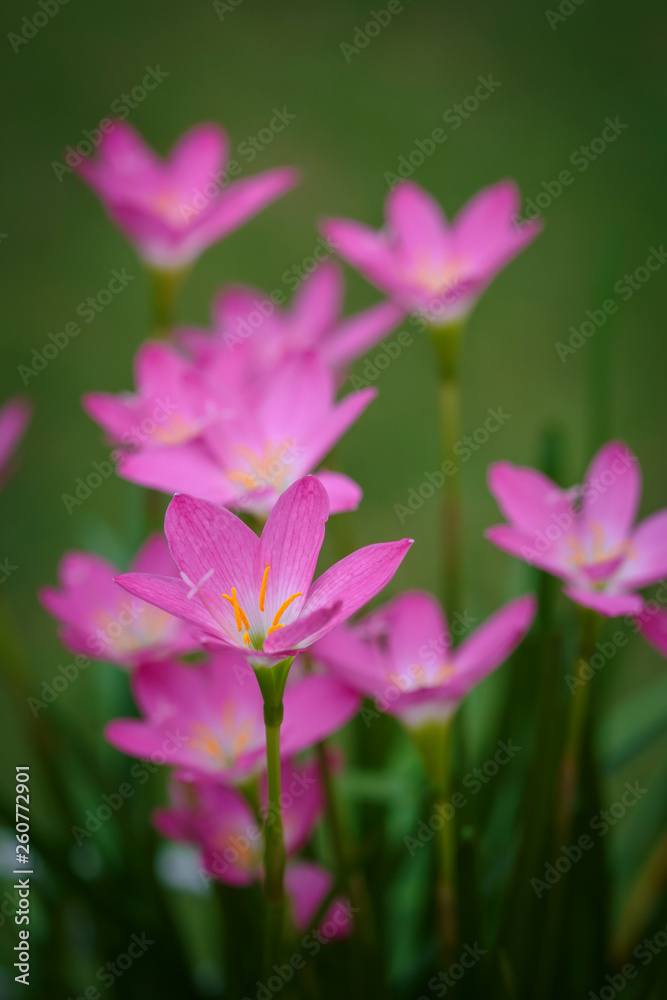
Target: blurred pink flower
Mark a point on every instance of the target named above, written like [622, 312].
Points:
[173, 209]
[585, 536]
[100, 620]
[208, 720]
[252, 333]
[427, 265]
[257, 594]
[14, 418]
[170, 407]
[402, 656]
[267, 441]
[653, 626]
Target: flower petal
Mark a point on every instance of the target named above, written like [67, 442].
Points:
[612, 488]
[646, 560]
[610, 605]
[315, 707]
[491, 644]
[344, 494]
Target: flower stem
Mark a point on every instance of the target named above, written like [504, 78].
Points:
[434, 741]
[166, 289]
[446, 341]
[272, 685]
[569, 768]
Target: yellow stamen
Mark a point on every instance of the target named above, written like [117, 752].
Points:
[281, 610]
[239, 613]
[246, 638]
[262, 589]
[274, 628]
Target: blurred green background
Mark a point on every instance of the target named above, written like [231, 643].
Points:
[354, 120]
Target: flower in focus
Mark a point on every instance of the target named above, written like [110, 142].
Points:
[402, 656]
[170, 407]
[208, 720]
[586, 535]
[257, 594]
[252, 334]
[265, 440]
[100, 620]
[427, 265]
[173, 209]
[14, 418]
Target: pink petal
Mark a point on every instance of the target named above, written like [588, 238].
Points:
[243, 199]
[654, 629]
[492, 643]
[189, 467]
[528, 499]
[417, 222]
[486, 234]
[197, 156]
[646, 559]
[357, 663]
[336, 423]
[319, 300]
[14, 418]
[364, 249]
[344, 494]
[355, 580]
[154, 557]
[315, 707]
[171, 595]
[535, 550]
[610, 605]
[612, 488]
[416, 627]
[307, 885]
[357, 334]
[301, 633]
[290, 545]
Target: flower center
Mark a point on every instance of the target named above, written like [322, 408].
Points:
[595, 559]
[268, 469]
[242, 623]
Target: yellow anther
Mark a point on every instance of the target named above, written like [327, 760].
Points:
[274, 628]
[262, 589]
[246, 638]
[281, 610]
[239, 613]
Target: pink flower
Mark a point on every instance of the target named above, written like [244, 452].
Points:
[585, 535]
[208, 720]
[257, 594]
[100, 620]
[265, 439]
[14, 418]
[253, 334]
[173, 209]
[171, 406]
[427, 265]
[307, 884]
[401, 655]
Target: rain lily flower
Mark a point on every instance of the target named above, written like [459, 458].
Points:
[101, 620]
[255, 594]
[170, 407]
[208, 720]
[220, 822]
[252, 334]
[402, 655]
[14, 418]
[173, 209]
[586, 535]
[247, 459]
[427, 265]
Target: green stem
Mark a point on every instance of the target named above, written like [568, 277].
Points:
[569, 768]
[446, 341]
[434, 741]
[272, 685]
[166, 289]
